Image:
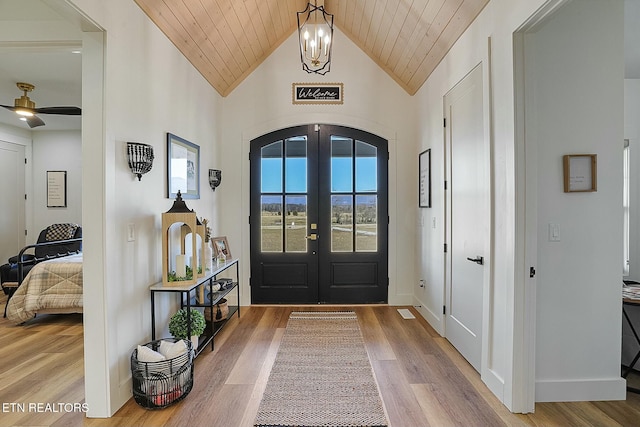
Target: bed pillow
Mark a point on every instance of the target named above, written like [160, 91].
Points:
[172, 349]
[145, 354]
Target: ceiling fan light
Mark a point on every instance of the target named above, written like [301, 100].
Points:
[23, 112]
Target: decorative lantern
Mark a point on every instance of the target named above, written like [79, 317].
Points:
[178, 268]
[199, 236]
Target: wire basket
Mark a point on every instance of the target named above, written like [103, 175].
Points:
[159, 384]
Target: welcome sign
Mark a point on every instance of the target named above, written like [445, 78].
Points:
[318, 93]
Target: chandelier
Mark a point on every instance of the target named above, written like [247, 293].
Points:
[315, 34]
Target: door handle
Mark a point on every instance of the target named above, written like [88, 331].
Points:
[478, 260]
[312, 236]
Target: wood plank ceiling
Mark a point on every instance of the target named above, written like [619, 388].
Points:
[227, 39]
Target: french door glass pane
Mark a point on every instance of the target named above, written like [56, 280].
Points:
[296, 224]
[341, 223]
[366, 167]
[366, 223]
[296, 165]
[271, 223]
[341, 164]
[271, 168]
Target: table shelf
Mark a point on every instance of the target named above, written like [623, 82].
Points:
[189, 300]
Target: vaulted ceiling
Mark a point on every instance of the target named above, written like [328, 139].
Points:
[227, 39]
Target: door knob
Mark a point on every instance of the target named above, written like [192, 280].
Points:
[478, 260]
[312, 236]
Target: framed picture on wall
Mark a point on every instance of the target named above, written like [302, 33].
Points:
[56, 189]
[424, 179]
[580, 173]
[183, 168]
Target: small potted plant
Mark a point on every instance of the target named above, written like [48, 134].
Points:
[178, 325]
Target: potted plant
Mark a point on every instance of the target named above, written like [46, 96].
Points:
[178, 325]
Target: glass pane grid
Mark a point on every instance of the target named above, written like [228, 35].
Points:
[354, 208]
[296, 223]
[271, 223]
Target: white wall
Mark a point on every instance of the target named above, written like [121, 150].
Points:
[56, 151]
[148, 89]
[372, 102]
[504, 365]
[577, 67]
[495, 25]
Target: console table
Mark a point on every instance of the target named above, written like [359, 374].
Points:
[188, 300]
[631, 297]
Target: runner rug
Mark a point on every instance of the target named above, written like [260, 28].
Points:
[321, 376]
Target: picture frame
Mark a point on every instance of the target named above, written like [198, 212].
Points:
[221, 244]
[56, 189]
[424, 179]
[580, 173]
[183, 168]
[317, 93]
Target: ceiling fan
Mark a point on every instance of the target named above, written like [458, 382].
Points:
[27, 108]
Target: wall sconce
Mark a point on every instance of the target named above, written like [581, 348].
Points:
[215, 178]
[140, 158]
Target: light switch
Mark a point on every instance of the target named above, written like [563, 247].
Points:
[554, 232]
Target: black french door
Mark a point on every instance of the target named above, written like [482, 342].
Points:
[319, 216]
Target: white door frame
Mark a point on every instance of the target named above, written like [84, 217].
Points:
[16, 201]
[526, 221]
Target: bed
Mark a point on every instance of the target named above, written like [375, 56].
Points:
[52, 286]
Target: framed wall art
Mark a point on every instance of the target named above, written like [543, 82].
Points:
[183, 168]
[56, 189]
[424, 179]
[580, 173]
[317, 93]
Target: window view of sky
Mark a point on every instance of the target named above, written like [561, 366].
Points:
[341, 175]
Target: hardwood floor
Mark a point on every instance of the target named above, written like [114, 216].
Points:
[423, 380]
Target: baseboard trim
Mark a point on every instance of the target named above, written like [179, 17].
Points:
[432, 318]
[581, 390]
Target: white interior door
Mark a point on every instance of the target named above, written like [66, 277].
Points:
[12, 214]
[467, 215]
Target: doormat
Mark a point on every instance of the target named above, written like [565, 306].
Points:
[321, 376]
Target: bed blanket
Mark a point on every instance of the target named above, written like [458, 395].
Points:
[50, 285]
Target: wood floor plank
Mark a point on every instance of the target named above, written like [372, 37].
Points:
[249, 362]
[375, 340]
[423, 380]
[398, 398]
[433, 411]
[474, 380]
[625, 413]
[261, 383]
